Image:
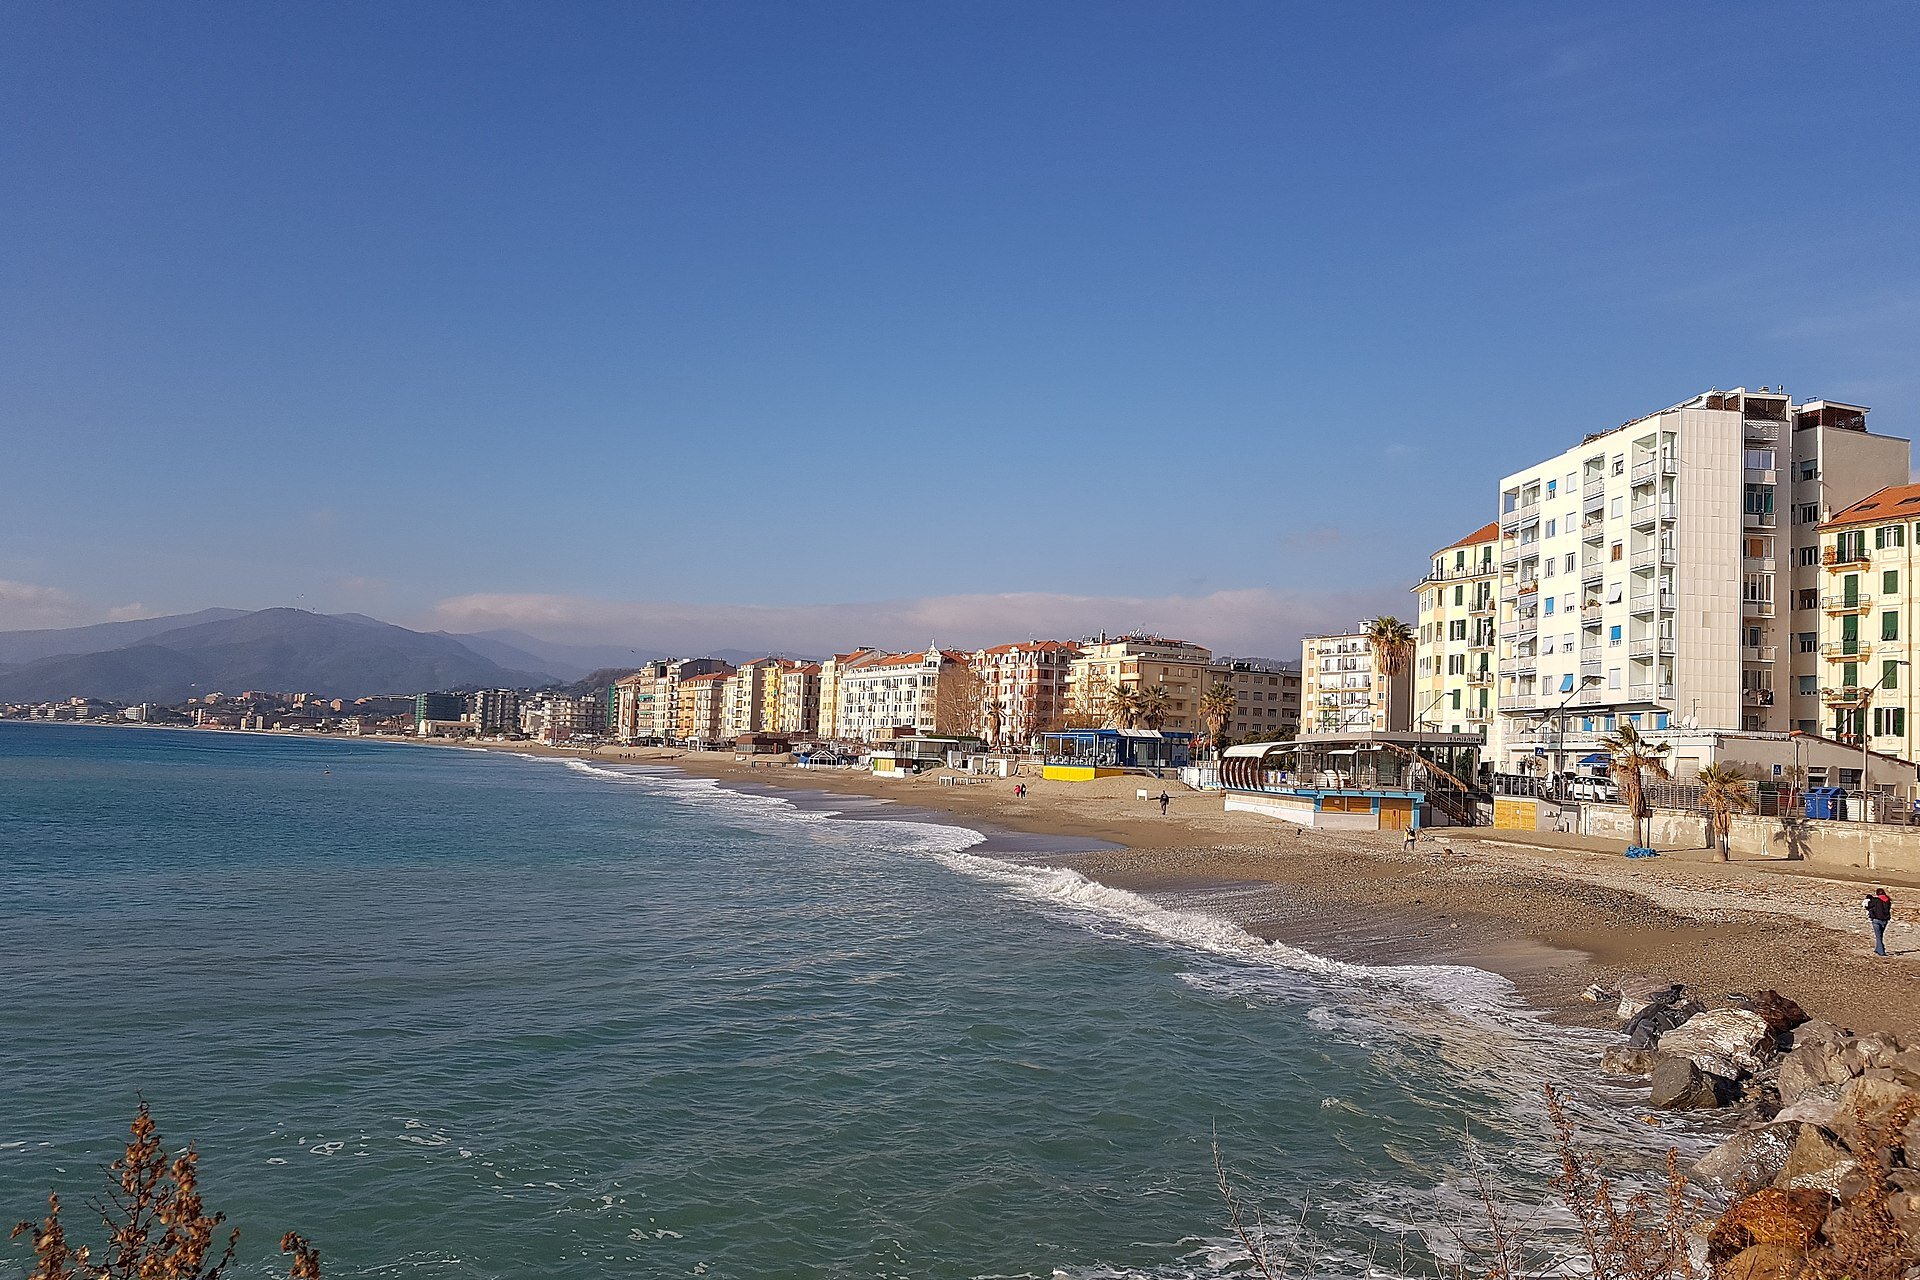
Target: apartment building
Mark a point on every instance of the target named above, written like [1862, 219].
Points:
[1266, 697]
[700, 707]
[1868, 611]
[1142, 662]
[559, 717]
[923, 692]
[830, 673]
[494, 710]
[1023, 689]
[799, 700]
[750, 690]
[1343, 691]
[1666, 573]
[633, 718]
[1454, 649]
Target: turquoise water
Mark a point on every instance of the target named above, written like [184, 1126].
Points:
[466, 1014]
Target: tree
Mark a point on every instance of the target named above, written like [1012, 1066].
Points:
[1216, 709]
[1392, 643]
[1155, 703]
[959, 699]
[1123, 707]
[1725, 790]
[158, 1227]
[1635, 760]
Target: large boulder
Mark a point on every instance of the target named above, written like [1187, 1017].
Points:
[1772, 1261]
[1780, 1014]
[1654, 1021]
[1638, 994]
[1679, 1085]
[1624, 1060]
[1749, 1159]
[1726, 1043]
[1820, 1106]
[1770, 1215]
[1813, 1065]
[1817, 1162]
[1874, 1049]
[1868, 1110]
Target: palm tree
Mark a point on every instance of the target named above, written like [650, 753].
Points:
[1123, 706]
[1635, 760]
[1725, 790]
[1392, 642]
[1154, 705]
[1216, 708]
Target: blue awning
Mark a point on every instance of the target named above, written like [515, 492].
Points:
[1598, 757]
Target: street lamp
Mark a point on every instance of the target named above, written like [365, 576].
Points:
[1559, 717]
[1866, 704]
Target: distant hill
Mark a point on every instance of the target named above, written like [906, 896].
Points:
[276, 649]
[29, 646]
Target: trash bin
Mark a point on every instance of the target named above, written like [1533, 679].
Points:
[1826, 802]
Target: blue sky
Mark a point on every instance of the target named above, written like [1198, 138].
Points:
[718, 324]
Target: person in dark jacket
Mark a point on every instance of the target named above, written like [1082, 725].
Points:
[1879, 911]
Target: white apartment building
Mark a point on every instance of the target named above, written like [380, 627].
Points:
[558, 717]
[1666, 573]
[1454, 650]
[1870, 605]
[1341, 691]
[916, 691]
[1266, 697]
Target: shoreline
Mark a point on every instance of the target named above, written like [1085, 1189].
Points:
[1551, 920]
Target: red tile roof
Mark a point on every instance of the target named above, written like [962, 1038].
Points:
[1889, 506]
[1487, 532]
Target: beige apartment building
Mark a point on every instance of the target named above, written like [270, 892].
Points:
[1266, 697]
[1868, 556]
[1142, 662]
[1023, 689]
[750, 690]
[830, 673]
[647, 704]
[701, 712]
[1666, 573]
[1342, 690]
[799, 700]
[1454, 651]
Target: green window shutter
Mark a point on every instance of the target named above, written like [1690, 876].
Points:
[1850, 627]
[1456, 699]
[1850, 588]
[1890, 674]
[1899, 717]
[1890, 581]
[1880, 538]
[1890, 625]
[1850, 673]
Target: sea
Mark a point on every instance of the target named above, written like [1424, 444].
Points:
[475, 1014]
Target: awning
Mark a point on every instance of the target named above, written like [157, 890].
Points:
[1598, 757]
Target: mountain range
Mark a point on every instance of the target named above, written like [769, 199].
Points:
[339, 655]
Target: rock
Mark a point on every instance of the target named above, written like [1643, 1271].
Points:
[1820, 1106]
[1638, 994]
[1678, 1085]
[1753, 1158]
[1904, 1208]
[1870, 1104]
[1726, 1043]
[1780, 1014]
[1811, 1065]
[1817, 1162]
[1651, 1023]
[1598, 994]
[1770, 1215]
[1771, 1261]
[1871, 1050]
[1622, 1060]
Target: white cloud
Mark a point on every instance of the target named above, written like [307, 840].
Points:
[127, 612]
[1252, 621]
[26, 606]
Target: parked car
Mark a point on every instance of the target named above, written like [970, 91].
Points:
[1593, 790]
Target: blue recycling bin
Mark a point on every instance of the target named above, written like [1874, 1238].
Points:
[1826, 802]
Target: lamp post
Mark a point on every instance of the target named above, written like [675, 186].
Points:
[1866, 704]
[1559, 718]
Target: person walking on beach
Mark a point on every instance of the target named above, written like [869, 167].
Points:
[1165, 800]
[1879, 912]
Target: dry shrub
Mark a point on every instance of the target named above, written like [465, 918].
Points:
[1860, 1239]
[157, 1224]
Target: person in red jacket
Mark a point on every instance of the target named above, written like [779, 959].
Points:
[1879, 911]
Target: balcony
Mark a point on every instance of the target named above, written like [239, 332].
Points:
[1757, 608]
[1848, 557]
[1760, 519]
[1846, 695]
[1757, 697]
[1647, 691]
[1652, 601]
[1846, 650]
[1590, 667]
[1761, 433]
[1648, 514]
[1643, 472]
[1857, 602]
[1646, 559]
[1645, 647]
[1479, 677]
[1758, 653]
[1480, 605]
[1519, 701]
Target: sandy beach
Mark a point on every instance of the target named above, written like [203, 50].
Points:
[1552, 914]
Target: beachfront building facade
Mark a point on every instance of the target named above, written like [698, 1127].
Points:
[1344, 690]
[494, 710]
[1023, 689]
[700, 709]
[1666, 573]
[1140, 662]
[1869, 553]
[746, 697]
[1266, 697]
[634, 702]
[831, 672]
[560, 717]
[798, 711]
[923, 693]
[1454, 649]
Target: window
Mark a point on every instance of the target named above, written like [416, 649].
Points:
[1613, 634]
[1660, 719]
[1570, 562]
[1890, 674]
[1807, 599]
[1807, 684]
[1551, 524]
[1809, 556]
[1459, 596]
[1456, 699]
[1890, 581]
[1549, 608]
[1619, 464]
[1889, 535]
[1618, 550]
[1890, 720]
[1619, 505]
[1546, 567]
[1807, 641]
[1613, 682]
[1551, 486]
[1759, 459]
[1890, 625]
[1806, 513]
[1809, 469]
